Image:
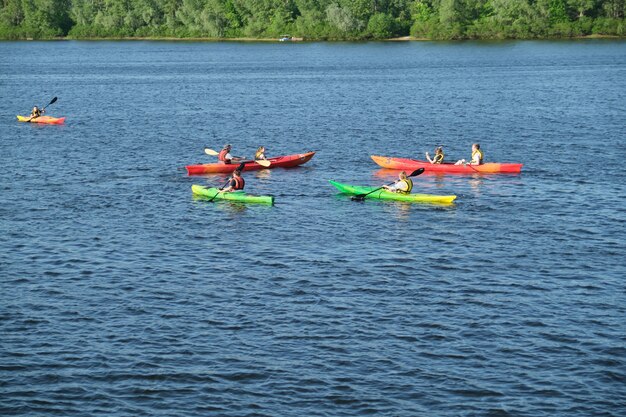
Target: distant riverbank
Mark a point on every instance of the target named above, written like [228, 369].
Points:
[247, 20]
[296, 40]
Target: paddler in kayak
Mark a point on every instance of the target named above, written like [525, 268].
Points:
[477, 157]
[225, 157]
[236, 182]
[36, 112]
[260, 154]
[438, 158]
[404, 185]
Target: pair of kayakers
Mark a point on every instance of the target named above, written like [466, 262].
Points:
[477, 156]
[225, 157]
[236, 182]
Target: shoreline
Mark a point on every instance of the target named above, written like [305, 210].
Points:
[298, 40]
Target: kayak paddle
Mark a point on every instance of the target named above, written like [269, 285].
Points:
[470, 165]
[361, 197]
[54, 100]
[240, 168]
[261, 162]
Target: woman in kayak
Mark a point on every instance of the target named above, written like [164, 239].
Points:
[236, 182]
[260, 154]
[438, 158]
[477, 156]
[404, 185]
[225, 156]
[36, 112]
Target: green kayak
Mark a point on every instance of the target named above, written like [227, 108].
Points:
[240, 196]
[388, 195]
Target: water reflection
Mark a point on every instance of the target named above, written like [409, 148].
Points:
[476, 183]
[386, 174]
[263, 174]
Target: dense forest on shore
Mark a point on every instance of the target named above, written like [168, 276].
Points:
[311, 19]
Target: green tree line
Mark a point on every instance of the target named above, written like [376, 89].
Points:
[311, 19]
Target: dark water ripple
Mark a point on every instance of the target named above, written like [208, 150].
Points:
[121, 295]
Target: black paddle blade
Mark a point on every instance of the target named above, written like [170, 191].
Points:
[53, 101]
[417, 172]
[241, 166]
[359, 197]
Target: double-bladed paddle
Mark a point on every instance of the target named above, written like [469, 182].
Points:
[44, 107]
[361, 197]
[240, 168]
[261, 162]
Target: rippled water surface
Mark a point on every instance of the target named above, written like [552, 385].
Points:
[121, 295]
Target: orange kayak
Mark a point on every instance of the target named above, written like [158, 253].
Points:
[286, 161]
[42, 119]
[406, 164]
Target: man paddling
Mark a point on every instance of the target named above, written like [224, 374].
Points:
[225, 156]
[236, 182]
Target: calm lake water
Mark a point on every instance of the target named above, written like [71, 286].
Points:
[121, 295]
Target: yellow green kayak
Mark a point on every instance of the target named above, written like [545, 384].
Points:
[388, 195]
[215, 193]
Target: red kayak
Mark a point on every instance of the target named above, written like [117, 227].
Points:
[286, 161]
[406, 164]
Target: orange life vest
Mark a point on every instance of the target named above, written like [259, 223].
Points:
[222, 156]
[239, 183]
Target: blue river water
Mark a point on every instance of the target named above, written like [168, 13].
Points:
[121, 295]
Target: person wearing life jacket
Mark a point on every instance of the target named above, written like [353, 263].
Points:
[260, 154]
[36, 112]
[224, 156]
[404, 185]
[236, 182]
[438, 158]
[477, 157]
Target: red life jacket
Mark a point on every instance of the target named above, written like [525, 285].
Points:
[239, 183]
[222, 156]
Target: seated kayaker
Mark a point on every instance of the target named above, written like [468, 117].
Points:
[236, 182]
[260, 154]
[225, 156]
[36, 112]
[438, 158]
[477, 157]
[404, 185]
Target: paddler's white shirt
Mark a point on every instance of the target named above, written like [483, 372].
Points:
[399, 186]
